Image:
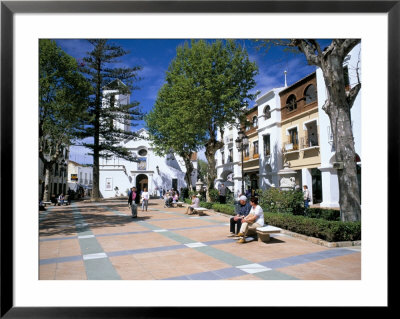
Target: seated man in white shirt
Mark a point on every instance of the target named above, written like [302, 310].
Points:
[252, 221]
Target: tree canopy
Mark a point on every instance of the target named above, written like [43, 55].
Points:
[63, 101]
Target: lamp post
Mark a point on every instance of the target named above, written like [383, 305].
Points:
[242, 142]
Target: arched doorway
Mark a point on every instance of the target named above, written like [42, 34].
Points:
[141, 182]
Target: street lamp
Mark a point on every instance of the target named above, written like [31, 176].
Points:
[242, 142]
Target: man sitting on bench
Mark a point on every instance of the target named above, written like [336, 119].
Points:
[195, 204]
[252, 221]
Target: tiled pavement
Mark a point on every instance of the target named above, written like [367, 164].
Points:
[102, 241]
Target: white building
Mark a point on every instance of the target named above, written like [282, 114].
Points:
[153, 172]
[228, 160]
[80, 177]
[330, 185]
[269, 137]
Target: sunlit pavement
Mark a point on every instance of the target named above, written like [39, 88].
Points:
[102, 241]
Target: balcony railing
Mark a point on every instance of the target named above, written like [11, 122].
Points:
[309, 141]
[290, 147]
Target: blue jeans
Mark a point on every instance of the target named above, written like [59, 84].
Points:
[134, 209]
[306, 204]
[145, 202]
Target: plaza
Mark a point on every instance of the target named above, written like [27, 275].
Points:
[101, 241]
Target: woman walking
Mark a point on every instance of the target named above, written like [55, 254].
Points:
[145, 199]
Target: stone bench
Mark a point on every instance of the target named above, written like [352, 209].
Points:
[178, 204]
[200, 210]
[46, 203]
[263, 232]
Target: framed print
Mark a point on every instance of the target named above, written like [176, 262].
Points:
[23, 23]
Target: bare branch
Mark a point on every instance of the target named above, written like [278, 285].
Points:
[353, 94]
[308, 50]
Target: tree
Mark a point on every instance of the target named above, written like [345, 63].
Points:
[172, 123]
[219, 76]
[110, 118]
[337, 106]
[63, 99]
[202, 169]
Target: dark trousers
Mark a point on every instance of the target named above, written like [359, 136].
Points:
[222, 199]
[233, 223]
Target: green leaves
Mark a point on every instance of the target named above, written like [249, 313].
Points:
[111, 117]
[63, 99]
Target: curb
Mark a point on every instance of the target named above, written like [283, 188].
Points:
[321, 242]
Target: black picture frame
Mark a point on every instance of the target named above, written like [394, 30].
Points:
[9, 8]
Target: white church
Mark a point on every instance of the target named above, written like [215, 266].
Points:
[151, 171]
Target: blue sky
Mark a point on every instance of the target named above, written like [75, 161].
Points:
[155, 55]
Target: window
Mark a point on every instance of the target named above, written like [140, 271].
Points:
[230, 158]
[112, 100]
[291, 103]
[310, 94]
[267, 112]
[247, 151]
[267, 145]
[346, 78]
[142, 152]
[247, 125]
[255, 148]
[141, 165]
[293, 137]
[255, 121]
[223, 157]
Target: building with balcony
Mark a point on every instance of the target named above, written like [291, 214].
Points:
[251, 159]
[300, 131]
[269, 137]
[227, 158]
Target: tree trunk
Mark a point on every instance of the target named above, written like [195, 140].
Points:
[47, 173]
[212, 147]
[338, 109]
[189, 170]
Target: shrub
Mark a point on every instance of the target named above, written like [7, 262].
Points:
[275, 200]
[324, 213]
[224, 208]
[214, 195]
[323, 229]
[206, 205]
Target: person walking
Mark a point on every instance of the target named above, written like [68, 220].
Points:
[242, 210]
[131, 202]
[306, 196]
[252, 221]
[145, 199]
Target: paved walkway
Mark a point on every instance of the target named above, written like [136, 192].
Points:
[102, 241]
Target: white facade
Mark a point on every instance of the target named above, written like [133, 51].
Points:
[117, 175]
[228, 160]
[330, 185]
[153, 172]
[79, 176]
[269, 138]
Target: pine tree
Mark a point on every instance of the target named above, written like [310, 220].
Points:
[110, 117]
